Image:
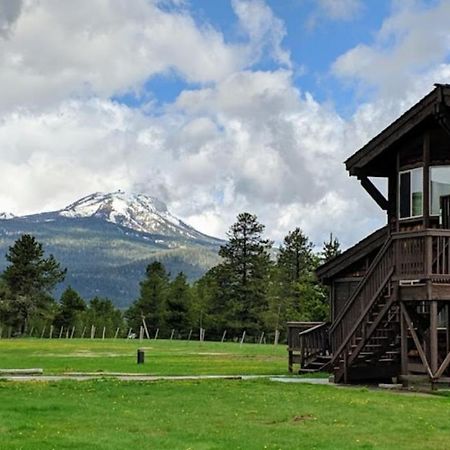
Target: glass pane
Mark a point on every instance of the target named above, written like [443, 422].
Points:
[405, 194]
[417, 191]
[440, 186]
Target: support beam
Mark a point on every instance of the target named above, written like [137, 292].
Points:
[426, 179]
[404, 341]
[443, 366]
[417, 342]
[374, 192]
[434, 336]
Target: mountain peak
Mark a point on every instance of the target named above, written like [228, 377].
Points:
[139, 212]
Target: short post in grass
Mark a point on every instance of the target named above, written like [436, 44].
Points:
[43, 331]
[51, 332]
[92, 331]
[104, 332]
[83, 332]
[224, 335]
[117, 333]
[261, 338]
[145, 328]
[60, 332]
[171, 335]
[72, 333]
[242, 338]
[141, 333]
[140, 356]
[156, 334]
[190, 334]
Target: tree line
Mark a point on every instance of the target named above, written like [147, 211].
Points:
[255, 288]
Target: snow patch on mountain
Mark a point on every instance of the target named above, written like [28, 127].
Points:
[139, 212]
[6, 216]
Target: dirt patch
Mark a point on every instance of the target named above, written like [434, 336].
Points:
[303, 418]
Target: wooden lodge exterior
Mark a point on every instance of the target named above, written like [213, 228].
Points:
[390, 293]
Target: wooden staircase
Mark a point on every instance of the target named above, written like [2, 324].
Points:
[365, 339]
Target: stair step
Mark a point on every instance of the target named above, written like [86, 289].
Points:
[307, 370]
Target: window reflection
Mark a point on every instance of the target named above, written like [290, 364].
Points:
[440, 186]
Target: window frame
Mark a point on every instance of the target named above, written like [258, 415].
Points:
[431, 192]
[410, 171]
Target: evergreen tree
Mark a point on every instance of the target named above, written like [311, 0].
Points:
[70, 307]
[330, 249]
[101, 313]
[178, 304]
[30, 279]
[151, 303]
[245, 269]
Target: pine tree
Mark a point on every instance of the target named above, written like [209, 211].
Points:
[71, 305]
[30, 279]
[245, 268]
[151, 303]
[330, 249]
[179, 300]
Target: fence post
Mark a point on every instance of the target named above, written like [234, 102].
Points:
[156, 334]
[145, 328]
[190, 334]
[117, 333]
[51, 331]
[223, 336]
[242, 338]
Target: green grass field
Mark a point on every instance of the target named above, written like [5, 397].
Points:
[162, 357]
[201, 414]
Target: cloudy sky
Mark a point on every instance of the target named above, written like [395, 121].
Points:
[214, 106]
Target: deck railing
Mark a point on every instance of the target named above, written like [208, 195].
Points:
[314, 342]
[422, 255]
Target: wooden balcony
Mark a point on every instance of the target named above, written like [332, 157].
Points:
[422, 264]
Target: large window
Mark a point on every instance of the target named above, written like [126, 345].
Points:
[440, 186]
[411, 193]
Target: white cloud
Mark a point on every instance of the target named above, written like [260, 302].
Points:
[340, 9]
[406, 51]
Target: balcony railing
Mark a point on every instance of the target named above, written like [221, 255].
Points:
[422, 255]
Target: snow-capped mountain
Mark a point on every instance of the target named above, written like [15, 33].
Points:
[106, 241]
[136, 211]
[6, 215]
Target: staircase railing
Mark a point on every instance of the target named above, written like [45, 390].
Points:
[356, 307]
[314, 342]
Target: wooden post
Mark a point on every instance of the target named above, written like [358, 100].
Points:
[83, 333]
[145, 328]
[404, 341]
[117, 333]
[223, 336]
[73, 332]
[277, 337]
[51, 331]
[171, 335]
[261, 338]
[43, 331]
[67, 333]
[60, 332]
[242, 338]
[141, 333]
[92, 331]
[104, 332]
[156, 334]
[190, 334]
[426, 179]
[447, 328]
[433, 337]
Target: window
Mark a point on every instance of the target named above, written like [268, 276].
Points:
[411, 193]
[440, 186]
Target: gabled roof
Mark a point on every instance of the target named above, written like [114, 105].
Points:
[360, 250]
[422, 110]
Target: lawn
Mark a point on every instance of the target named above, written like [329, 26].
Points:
[202, 414]
[108, 414]
[162, 357]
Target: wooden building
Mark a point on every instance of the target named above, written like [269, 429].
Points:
[390, 293]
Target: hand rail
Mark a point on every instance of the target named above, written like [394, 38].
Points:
[361, 284]
[312, 329]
